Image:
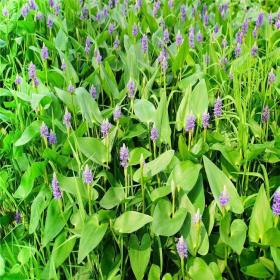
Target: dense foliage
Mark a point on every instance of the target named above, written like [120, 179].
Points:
[139, 139]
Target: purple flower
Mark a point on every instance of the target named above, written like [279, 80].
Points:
[52, 138]
[5, 12]
[206, 19]
[196, 219]
[134, 30]
[18, 80]
[154, 134]
[255, 32]
[87, 176]
[138, 5]
[164, 64]
[165, 35]
[254, 50]
[25, 11]
[190, 123]
[237, 50]
[105, 128]
[51, 3]
[216, 29]
[117, 113]
[277, 24]
[276, 203]
[218, 107]
[39, 16]
[36, 82]
[271, 77]
[144, 43]
[156, 8]
[17, 217]
[67, 119]
[224, 43]
[265, 114]
[245, 26]
[205, 120]
[182, 248]
[270, 18]
[49, 22]
[71, 88]
[191, 37]
[179, 39]
[56, 9]
[224, 198]
[259, 20]
[124, 155]
[44, 130]
[111, 28]
[33, 5]
[87, 45]
[32, 71]
[183, 12]
[170, 4]
[98, 16]
[84, 13]
[98, 56]
[239, 37]
[56, 188]
[199, 37]
[45, 52]
[93, 91]
[116, 43]
[131, 88]
[63, 66]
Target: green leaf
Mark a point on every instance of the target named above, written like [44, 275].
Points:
[29, 133]
[154, 273]
[93, 149]
[35, 170]
[183, 109]
[55, 221]
[139, 254]
[199, 99]
[217, 181]
[91, 236]
[155, 166]
[25, 254]
[144, 110]
[256, 270]
[61, 40]
[2, 266]
[131, 221]
[183, 170]
[272, 237]
[62, 248]
[275, 253]
[179, 60]
[135, 155]
[68, 99]
[113, 197]
[261, 218]
[88, 106]
[199, 269]
[170, 226]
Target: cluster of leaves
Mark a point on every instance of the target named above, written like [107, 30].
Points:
[133, 161]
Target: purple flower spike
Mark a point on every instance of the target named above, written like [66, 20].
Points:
[124, 155]
[135, 30]
[33, 5]
[276, 203]
[87, 45]
[116, 43]
[170, 3]
[67, 119]
[191, 37]
[183, 13]
[44, 130]
[17, 217]
[56, 9]
[255, 32]
[224, 198]
[216, 29]
[218, 107]
[271, 77]
[270, 18]
[111, 28]
[131, 88]
[63, 66]
[277, 24]
[87, 176]
[254, 50]
[52, 138]
[71, 88]
[237, 50]
[205, 120]
[199, 37]
[51, 3]
[45, 52]
[117, 113]
[259, 20]
[105, 128]
[98, 56]
[182, 248]
[18, 80]
[25, 11]
[190, 123]
[39, 16]
[245, 26]
[93, 91]
[36, 82]
[179, 39]
[49, 22]
[144, 43]
[156, 8]
[5, 12]
[56, 188]
[32, 71]
[265, 114]
[154, 134]
[166, 36]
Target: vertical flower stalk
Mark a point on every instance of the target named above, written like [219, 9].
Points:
[105, 130]
[276, 206]
[88, 179]
[142, 164]
[205, 124]
[265, 120]
[182, 251]
[190, 126]
[124, 156]
[218, 111]
[56, 188]
[173, 193]
[196, 220]
[224, 199]
[154, 138]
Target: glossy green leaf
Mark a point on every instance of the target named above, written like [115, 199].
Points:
[144, 110]
[30, 132]
[113, 197]
[199, 269]
[256, 270]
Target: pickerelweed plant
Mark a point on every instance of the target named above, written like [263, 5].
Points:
[139, 139]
